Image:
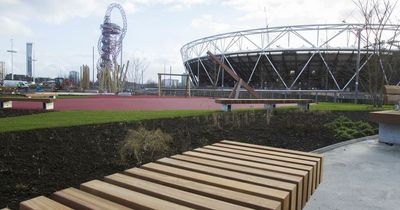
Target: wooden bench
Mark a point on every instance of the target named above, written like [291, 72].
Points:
[268, 103]
[389, 125]
[225, 175]
[392, 95]
[41, 95]
[6, 102]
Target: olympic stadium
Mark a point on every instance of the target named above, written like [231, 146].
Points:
[300, 57]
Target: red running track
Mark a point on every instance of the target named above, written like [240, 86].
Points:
[132, 103]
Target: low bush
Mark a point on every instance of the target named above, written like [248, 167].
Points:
[346, 129]
[143, 146]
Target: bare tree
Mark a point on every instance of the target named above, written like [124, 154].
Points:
[376, 15]
[138, 68]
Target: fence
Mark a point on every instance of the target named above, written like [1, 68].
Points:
[317, 95]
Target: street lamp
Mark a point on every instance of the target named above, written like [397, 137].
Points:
[358, 65]
[33, 70]
[33, 65]
[12, 51]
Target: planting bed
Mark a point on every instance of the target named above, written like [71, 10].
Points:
[42, 161]
[18, 112]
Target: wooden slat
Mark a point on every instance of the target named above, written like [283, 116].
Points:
[291, 184]
[127, 197]
[390, 117]
[252, 189]
[225, 175]
[392, 99]
[392, 89]
[168, 193]
[307, 182]
[262, 101]
[318, 158]
[41, 203]
[288, 151]
[40, 95]
[211, 191]
[44, 100]
[78, 199]
[309, 166]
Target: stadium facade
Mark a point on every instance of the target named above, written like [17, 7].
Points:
[301, 57]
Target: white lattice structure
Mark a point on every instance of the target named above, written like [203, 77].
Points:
[317, 57]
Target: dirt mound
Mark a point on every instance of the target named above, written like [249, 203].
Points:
[18, 112]
[42, 161]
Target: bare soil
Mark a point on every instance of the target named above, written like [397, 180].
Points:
[18, 112]
[39, 162]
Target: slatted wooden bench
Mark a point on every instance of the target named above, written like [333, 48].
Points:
[268, 103]
[389, 125]
[225, 175]
[41, 95]
[392, 95]
[6, 102]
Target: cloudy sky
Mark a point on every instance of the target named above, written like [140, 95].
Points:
[64, 31]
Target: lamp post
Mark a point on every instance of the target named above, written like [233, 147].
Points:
[33, 70]
[12, 51]
[33, 65]
[358, 65]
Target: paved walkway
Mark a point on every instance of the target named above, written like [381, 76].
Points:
[364, 175]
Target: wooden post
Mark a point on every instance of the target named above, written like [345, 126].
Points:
[232, 74]
[159, 85]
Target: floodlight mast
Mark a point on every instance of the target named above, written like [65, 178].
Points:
[110, 41]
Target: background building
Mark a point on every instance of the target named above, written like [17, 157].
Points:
[74, 77]
[29, 48]
[170, 83]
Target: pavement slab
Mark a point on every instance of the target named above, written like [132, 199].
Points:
[362, 175]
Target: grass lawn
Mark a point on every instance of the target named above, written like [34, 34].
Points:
[74, 118]
[326, 106]
[73, 96]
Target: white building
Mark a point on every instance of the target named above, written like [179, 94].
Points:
[170, 82]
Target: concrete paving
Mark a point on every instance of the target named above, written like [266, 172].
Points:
[362, 175]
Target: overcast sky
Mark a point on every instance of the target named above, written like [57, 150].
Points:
[64, 31]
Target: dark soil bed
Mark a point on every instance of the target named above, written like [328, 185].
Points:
[18, 112]
[40, 162]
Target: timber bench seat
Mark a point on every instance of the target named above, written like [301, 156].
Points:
[392, 95]
[389, 125]
[268, 103]
[389, 121]
[224, 175]
[6, 102]
[41, 95]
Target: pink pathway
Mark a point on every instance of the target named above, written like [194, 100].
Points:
[132, 103]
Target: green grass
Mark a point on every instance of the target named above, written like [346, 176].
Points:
[326, 106]
[73, 96]
[75, 118]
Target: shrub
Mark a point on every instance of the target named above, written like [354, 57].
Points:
[345, 129]
[142, 146]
